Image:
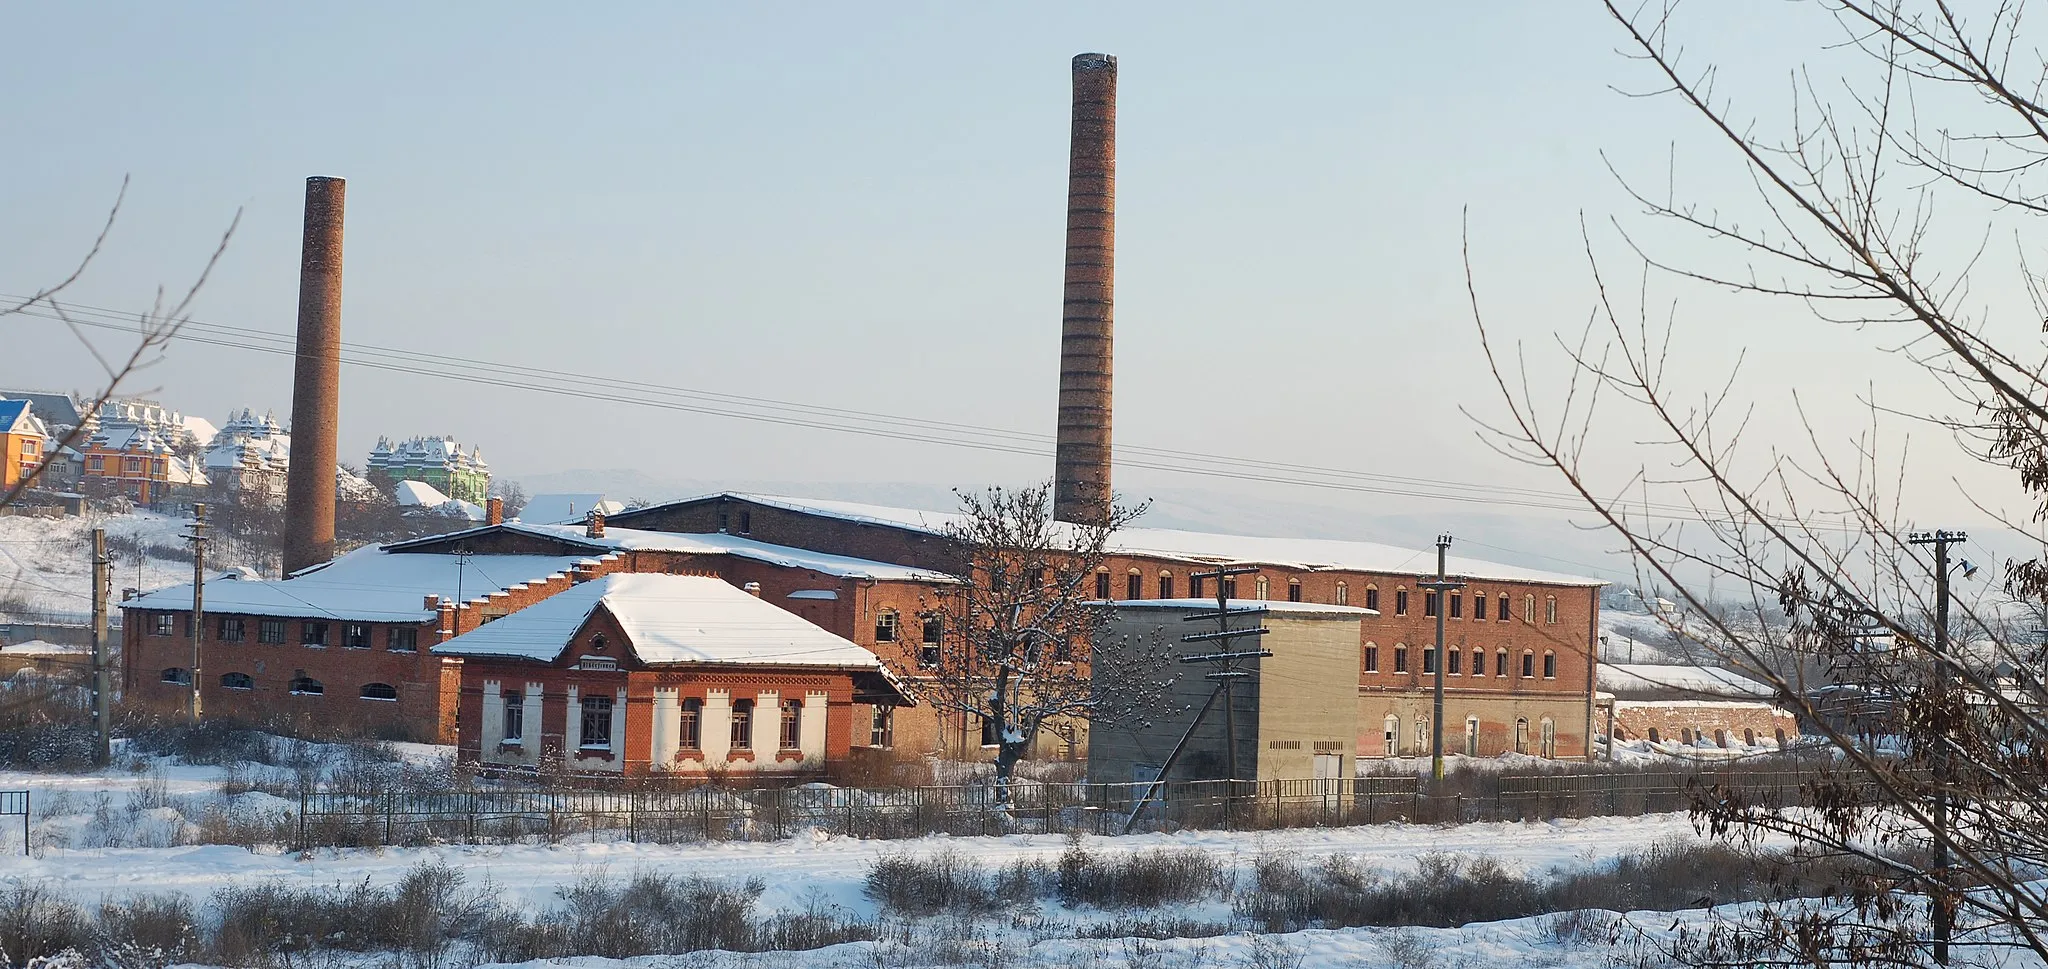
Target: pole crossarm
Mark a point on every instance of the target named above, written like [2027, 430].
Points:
[1224, 634]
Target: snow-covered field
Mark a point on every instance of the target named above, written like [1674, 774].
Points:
[46, 563]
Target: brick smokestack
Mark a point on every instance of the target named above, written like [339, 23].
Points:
[1081, 490]
[316, 382]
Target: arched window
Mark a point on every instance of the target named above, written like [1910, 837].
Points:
[1478, 607]
[1748, 737]
[1422, 735]
[1372, 657]
[1393, 738]
[1500, 663]
[1528, 663]
[887, 626]
[303, 685]
[1372, 597]
[1506, 611]
[1521, 735]
[692, 733]
[1429, 659]
[1550, 610]
[792, 724]
[178, 675]
[1457, 659]
[1102, 583]
[742, 724]
[1293, 590]
[1260, 588]
[1400, 658]
[1134, 585]
[1529, 609]
[1685, 736]
[379, 691]
[1781, 737]
[237, 681]
[1343, 593]
[1549, 665]
[1478, 661]
[1165, 584]
[1654, 738]
[1400, 602]
[1549, 738]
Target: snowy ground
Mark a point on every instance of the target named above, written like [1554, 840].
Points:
[46, 562]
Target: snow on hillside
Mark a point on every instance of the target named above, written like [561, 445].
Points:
[46, 563]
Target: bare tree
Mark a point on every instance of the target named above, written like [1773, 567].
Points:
[1022, 639]
[1936, 783]
[153, 334]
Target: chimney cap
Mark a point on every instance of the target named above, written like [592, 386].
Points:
[1095, 62]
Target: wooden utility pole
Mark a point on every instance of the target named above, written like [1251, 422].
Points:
[1436, 721]
[198, 597]
[102, 710]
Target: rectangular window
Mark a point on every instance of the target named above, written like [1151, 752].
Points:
[1400, 602]
[693, 725]
[1230, 587]
[885, 626]
[1457, 661]
[597, 721]
[313, 634]
[230, 630]
[746, 523]
[270, 631]
[1505, 613]
[791, 733]
[1429, 659]
[131, 465]
[1134, 586]
[1500, 663]
[355, 635]
[1372, 659]
[515, 715]
[1372, 597]
[1165, 587]
[1550, 666]
[166, 624]
[1457, 605]
[95, 464]
[1195, 586]
[882, 729]
[1293, 592]
[743, 725]
[928, 648]
[1550, 610]
[1431, 601]
[1101, 585]
[1400, 659]
[1528, 664]
[988, 732]
[1479, 607]
[403, 639]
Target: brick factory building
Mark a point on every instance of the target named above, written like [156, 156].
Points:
[1537, 639]
[664, 673]
[1692, 709]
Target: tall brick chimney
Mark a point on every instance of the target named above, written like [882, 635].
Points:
[316, 382]
[1081, 489]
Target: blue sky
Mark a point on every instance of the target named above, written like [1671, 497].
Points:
[862, 206]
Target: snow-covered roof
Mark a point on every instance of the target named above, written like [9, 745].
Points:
[16, 417]
[669, 619]
[638, 540]
[419, 494]
[38, 647]
[1298, 608]
[557, 508]
[1304, 554]
[1638, 678]
[368, 585]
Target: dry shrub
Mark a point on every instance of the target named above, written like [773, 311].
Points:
[1144, 879]
[35, 923]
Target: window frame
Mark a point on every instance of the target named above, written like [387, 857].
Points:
[588, 725]
[1102, 589]
[270, 632]
[1432, 600]
[790, 725]
[1500, 663]
[1454, 660]
[1372, 657]
[1372, 597]
[930, 637]
[1549, 665]
[690, 724]
[512, 717]
[1343, 593]
[1506, 612]
[882, 727]
[363, 692]
[313, 633]
[742, 725]
[230, 629]
[299, 683]
[1262, 588]
[1134, 584]
[355, 635]
[164, 624]
[412, 639]
[245, 681]
[1528, 664]
[176, 676]
[1400, 658]
[888, 626]
[1457, 604]
[1478, 607]
[1165, 584]
[1550, 610]
[1400, 601]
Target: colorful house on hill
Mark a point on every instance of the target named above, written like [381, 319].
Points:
[436, 461]
[635, 673]
[249, 456]
[23, 442]
[140, 460]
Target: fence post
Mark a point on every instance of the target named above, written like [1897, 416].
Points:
[302, 820]
[633, 816]
[388, 808]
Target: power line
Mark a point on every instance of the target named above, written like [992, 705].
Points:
[842, 420]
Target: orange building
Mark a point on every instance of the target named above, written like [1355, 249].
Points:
[22, 441]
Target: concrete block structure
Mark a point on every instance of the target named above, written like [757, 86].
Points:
[1296, 716]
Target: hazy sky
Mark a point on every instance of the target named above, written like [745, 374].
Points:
[861, 206]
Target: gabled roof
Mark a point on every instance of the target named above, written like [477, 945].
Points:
[670, 619]
[15, 416]
[1303, 554]
[1638, 679]
[566, 508]
[55, 408]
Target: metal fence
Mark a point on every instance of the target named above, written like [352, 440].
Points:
[720, 813]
